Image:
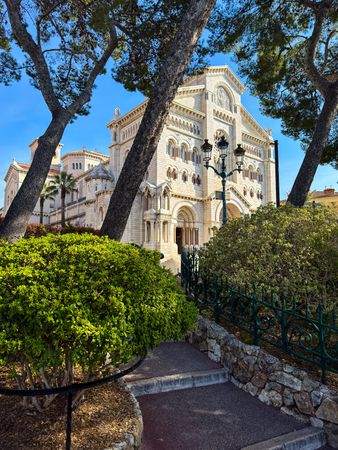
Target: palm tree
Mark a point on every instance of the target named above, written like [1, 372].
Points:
[65, 184]
[48, 193]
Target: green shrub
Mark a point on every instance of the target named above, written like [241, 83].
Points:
[289, 250]
[38, 230]
[70, 301]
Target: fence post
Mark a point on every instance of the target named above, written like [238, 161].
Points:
[322, 342]
[254, 316]
[69, 419]
[284, 323]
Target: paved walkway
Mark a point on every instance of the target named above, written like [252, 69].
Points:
[210, 417]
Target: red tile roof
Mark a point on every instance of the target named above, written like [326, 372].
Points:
[27, 166]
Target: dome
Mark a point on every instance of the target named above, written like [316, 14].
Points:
[100, 172]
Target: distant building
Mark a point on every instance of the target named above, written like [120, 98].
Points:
[327, 197]
[17, 172]
[177, 203]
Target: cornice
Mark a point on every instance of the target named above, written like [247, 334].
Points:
[260, 130]
[217, 70]
[188, 90]
[93, 154]
[226, 117]
[240, 196]
[129, 116]
[193, 113]
[254, 140]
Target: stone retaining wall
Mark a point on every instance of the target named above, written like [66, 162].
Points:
[266, 377]
[132, 439]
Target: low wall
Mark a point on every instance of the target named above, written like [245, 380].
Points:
[270, 380]
[132, 439]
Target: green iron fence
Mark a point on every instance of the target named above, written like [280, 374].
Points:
[309, 335]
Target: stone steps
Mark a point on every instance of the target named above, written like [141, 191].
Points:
[309, 438]
[175, 382]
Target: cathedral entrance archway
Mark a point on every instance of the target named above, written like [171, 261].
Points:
[186, 231]
[233, 212]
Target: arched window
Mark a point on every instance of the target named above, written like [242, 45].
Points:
[223, 99]
[76, 166]
[251, 172]
[245, 192]
[169, 174]
[184, 177]
[184, 151]
[193, 179]
[170, 148]
[198, 180]
[251, 193]
[73, 165]
[194, 156]
[174, 174]
[80, 165]
[258, 195]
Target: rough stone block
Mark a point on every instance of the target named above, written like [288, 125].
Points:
[328, 410]
[316, 397]
[317, 423]
[287, 380]
[309, 385]
[259, 379]
[272, 386]
[332, 434]
[288, 397]
[251, 389]
[304, 404]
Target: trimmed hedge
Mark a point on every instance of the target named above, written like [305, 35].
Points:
[290, 250]
[72, 300]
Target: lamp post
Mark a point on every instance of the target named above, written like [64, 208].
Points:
[274, 146]
[222, 146]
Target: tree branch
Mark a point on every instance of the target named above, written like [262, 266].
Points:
[318, 80]
[84, 96]
[28, 44]
[326, 48]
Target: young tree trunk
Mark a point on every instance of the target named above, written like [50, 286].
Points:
[14, 224]
[145, 143]
[307, 171]
[63, 207]
[42, 203]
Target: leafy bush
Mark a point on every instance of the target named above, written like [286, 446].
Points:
[70, 301]
[289, 250]
[37, 230]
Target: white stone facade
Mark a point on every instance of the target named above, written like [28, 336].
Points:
[176, 204]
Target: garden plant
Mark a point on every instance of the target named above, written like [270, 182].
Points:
[74, 306]
[290, 251]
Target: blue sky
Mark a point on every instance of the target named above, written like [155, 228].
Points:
[24, 116]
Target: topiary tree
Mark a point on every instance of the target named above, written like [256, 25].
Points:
[73, 306]
[290, 250]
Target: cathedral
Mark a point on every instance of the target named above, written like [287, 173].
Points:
[178, 202]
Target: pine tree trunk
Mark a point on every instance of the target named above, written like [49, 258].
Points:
[307, 171]
[14, 224]
[42, 203]
[145, 143]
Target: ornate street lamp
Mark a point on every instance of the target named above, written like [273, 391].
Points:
[222, 146]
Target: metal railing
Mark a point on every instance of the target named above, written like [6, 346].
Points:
[309, 334]
[69, 391]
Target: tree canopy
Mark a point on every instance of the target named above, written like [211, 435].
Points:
[269, 40]
[66, 45]
[287, 50]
